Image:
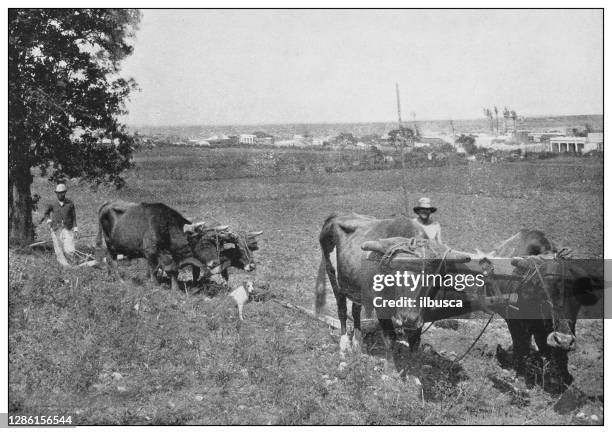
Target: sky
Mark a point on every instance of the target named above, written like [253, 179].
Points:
[220, 67]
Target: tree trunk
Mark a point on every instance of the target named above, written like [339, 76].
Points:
[21, 229]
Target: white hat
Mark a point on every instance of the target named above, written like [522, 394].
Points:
[60, 188]
[424, 203]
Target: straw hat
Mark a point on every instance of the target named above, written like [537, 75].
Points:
[60, 188]
[425, 203]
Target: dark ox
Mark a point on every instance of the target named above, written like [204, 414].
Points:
[355, 273]
[158, 233]
[550, 294]
[549, 302]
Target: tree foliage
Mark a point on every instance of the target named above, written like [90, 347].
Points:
[468, 143]
[401, 134]
[65, 96]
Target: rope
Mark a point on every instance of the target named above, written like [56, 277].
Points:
[401, 247]
[473, 343]
[428, 327]
[410, 247]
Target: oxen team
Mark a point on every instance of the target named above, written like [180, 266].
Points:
[549, 292]
[169, 241]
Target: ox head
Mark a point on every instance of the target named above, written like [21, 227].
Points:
[238, 249]
[557, 289]
[219, 248]
[410, 255]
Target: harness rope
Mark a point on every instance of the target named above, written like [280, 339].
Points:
[402, 247]
[458, 359]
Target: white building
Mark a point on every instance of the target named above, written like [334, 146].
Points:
[319, 141]
[247, 139]
[593, 142]
[199, 142]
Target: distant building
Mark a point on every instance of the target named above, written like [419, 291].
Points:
[288, 142]
[523, 136]
[217, 138]
[197, 142]
[320, 141]
[247, 139]
[268, 140]
[593, 142]
[433, 141]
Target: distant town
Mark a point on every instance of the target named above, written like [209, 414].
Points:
[505, 132]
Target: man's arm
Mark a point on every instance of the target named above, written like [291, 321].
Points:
[439, 234]
[47, 213]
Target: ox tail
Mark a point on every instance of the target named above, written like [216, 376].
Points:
[327, 240]
[100, 236]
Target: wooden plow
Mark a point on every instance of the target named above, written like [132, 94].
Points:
[367, 324]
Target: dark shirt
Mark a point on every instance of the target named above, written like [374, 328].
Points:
[62, 216]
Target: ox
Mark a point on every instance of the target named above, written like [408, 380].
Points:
[549, 303]
[354, 280]
[549, 293]
[165, 238]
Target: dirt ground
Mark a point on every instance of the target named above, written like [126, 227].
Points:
[82, 344]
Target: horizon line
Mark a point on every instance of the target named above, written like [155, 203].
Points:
[405, 122]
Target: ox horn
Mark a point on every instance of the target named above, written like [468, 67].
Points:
[520, 262]
[480, 254]
[254, 234]
[219, 228]
[455, 258]
[373, 246]
[191, 261]
[193, 226]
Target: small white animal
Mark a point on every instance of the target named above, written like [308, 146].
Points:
[241, 296]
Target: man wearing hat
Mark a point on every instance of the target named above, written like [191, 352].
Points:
[61, 218]
[431, 229]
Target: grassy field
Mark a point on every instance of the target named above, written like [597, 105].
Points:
[80, 344]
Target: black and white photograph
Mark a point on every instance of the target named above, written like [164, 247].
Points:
[307, 216]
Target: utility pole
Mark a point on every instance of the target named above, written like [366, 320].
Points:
[399, 109]
[402, 147]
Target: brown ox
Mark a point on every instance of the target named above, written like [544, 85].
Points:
[355, 274]
[165, 238]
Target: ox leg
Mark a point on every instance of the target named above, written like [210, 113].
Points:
[152, 265]
[357, 337]
[225, 275]
[389, 338]
[521, 342]
[560, 377]
[195, 272]
[174, 281]
[540, 333]
[414, 339]
[113, 268]
[345, 342]
[557, 376]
